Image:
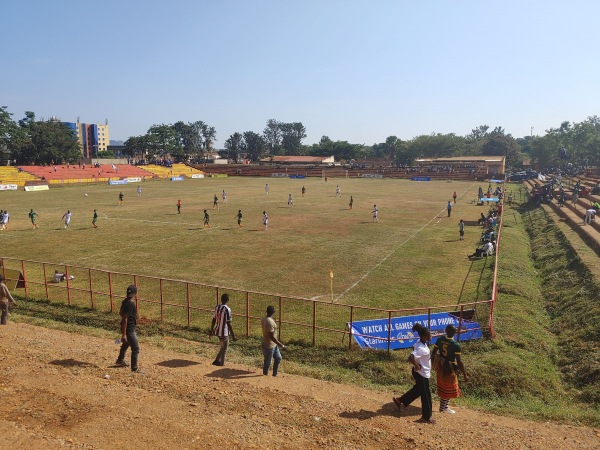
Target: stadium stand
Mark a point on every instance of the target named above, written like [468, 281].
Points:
[85, 174]
[12, 175]
[175, 170]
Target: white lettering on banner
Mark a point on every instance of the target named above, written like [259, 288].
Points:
[372, 329]
[8, 187]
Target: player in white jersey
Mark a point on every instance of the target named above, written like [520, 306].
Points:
[5, 219]
[67, 217]
[265, 220]
[375, 214]
[290, 201]
[338, 193]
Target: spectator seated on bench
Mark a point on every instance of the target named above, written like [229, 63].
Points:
[488, 249]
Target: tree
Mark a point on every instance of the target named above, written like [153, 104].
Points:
[162, 140]
[272, 136]
[189, 139]
[292, 135]
[50, 142]
[135, 145]
[234, 144]
[500, 144]
[253, 144]
[11, 135]
[433, 146]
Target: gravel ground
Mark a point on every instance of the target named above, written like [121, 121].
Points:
[61, 390]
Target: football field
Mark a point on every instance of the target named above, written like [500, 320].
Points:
[411, 257]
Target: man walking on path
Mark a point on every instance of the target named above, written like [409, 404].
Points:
[5, 299]
[128, 332]
[270, 343]
[221, 327]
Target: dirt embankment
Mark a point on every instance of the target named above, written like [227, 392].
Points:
[61, 390]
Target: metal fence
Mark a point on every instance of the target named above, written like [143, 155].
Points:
[189, 303]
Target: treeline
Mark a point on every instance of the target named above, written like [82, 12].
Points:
[31, 141]
[36, 142]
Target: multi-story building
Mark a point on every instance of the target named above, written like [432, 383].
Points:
[92, 138]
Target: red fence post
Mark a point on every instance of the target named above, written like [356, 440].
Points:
[314, 334]
[24, 278]
[189, 317]
[68, 285]
[110, 291]
[247, 314]
[389, 331]
[136, 295]
[91, 288]
[460, 319]
[161, 299]
[350, 330]
[280, 317]
[45, 280]
[429, 318]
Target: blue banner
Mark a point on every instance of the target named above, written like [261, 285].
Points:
[489, 200]
[297, 176]
[176, 178]
[421, 178]
[374, 333]
[113, 182]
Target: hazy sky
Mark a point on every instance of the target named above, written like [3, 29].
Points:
[352, 70]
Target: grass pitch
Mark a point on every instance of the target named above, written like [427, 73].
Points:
[411, 258]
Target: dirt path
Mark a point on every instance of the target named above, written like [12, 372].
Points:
[61, 391]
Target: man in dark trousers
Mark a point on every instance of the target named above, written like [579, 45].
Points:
[223, 329]
[128, 333]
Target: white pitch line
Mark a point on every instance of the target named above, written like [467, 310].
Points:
[394, 251]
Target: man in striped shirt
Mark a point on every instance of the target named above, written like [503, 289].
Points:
[223, 329]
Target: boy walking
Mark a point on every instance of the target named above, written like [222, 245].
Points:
[221, 327]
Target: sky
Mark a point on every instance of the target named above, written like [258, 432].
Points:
[358, 71]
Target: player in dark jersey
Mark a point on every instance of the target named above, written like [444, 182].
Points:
[206, 220]
[239, 218]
